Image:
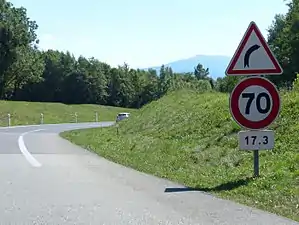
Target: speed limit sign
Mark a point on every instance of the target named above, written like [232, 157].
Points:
[255, 103]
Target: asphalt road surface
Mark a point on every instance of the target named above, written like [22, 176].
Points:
[45, 179]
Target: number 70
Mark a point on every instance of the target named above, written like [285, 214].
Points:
[251, 97]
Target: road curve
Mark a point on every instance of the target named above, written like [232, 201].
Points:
[45, 179]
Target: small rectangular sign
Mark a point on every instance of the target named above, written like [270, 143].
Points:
[256, 140]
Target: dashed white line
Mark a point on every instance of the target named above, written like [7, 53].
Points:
[24, 150]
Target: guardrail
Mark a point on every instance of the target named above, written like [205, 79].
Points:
[74, 118]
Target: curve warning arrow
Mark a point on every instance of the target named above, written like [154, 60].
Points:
[248, 53]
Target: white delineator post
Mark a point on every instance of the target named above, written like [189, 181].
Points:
[41, 118]
[8, 120]
[97, 117]
[76, 117]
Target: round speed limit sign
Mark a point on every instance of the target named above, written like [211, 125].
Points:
[255, 103]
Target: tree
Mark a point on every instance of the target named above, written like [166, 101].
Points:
[28, 68]
[227, 84]
[283, 39]
[163, 80]
[200, 72]
[17, 35]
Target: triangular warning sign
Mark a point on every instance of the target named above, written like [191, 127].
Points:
[253, 56]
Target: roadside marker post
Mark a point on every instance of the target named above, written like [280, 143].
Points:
[76, 117]
[8, 120]
[97, 117]
[41, 118]
[254, 102]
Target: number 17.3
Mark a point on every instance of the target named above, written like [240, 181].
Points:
[251, 140]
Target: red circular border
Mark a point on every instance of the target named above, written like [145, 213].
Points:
[234, 99]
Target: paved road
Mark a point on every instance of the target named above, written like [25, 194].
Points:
[44, 179]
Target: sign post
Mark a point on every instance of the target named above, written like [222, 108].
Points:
[254, 101]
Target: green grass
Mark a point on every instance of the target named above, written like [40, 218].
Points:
[27, 113]
[190, 138]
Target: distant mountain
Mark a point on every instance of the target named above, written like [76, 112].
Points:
[216, 64]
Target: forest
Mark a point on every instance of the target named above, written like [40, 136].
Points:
[29, 74]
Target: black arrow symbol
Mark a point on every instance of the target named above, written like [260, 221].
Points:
[248, 53]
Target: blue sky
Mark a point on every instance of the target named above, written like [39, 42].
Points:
[147, 33]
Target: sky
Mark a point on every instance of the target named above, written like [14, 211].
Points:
[145, 33]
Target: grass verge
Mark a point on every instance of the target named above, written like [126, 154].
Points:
[27, 113]
[190, 138]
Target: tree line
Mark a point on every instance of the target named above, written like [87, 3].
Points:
[29, 74]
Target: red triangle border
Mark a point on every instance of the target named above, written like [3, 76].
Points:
[276, 71]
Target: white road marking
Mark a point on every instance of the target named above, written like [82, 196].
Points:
[20, 126]
[24, 150]
[56, 124]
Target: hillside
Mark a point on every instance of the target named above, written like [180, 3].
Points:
[190, 138]
[216, 64]
[23, 113]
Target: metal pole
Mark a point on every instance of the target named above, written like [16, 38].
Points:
[76, 117]
[256, 162]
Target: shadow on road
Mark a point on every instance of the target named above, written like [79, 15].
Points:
[222, 187]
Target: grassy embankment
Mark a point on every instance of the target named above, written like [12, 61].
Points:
[27, 113]
[190, 138]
